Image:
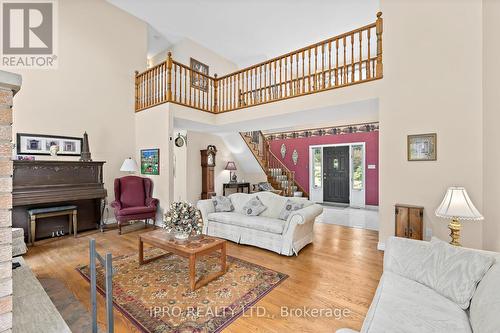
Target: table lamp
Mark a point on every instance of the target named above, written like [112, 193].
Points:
[457, 206]
[231, 166]
[129, 165]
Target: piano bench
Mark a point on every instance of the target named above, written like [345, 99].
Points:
[35, 213]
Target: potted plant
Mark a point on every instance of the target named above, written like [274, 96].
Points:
[183, 219]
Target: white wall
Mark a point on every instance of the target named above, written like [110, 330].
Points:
[100, 46]
[491, 119]
[153, 129]
[186, 49]
[432, 83]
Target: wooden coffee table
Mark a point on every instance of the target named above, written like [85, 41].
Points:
[191, 249]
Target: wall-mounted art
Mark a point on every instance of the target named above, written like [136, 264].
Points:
[199, 81]
[295, 157]
[39, 144]
[150, 161]
[283, 150]
[422, 147]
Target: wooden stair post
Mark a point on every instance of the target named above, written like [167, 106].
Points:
[169, 76]
[379, 29]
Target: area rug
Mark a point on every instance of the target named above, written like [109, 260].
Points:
[156, 296]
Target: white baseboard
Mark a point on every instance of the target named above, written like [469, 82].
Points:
[381, 246]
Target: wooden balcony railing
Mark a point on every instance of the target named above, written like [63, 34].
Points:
[350, 58]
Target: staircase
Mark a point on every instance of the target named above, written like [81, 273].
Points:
[278, 175]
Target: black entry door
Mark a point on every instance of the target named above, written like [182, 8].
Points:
[336, 174]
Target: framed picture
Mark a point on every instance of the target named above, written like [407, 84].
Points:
[422, 147]
[150, 161]
[198, 81]
[38, 144]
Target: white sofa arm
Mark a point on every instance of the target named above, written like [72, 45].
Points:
[306, 215]
[346, 330]
[206, 207]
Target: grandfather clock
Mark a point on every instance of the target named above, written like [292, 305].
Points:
[207, 172]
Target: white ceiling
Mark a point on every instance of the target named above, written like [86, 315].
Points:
[247, 32]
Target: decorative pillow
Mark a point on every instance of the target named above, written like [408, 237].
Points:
[254, 207]
[453, 272]
[222, 204]
[290, 206]
[265, 186]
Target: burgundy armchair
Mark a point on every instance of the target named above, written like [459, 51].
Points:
[133, 200]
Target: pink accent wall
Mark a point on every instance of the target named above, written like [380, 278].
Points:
[302, 168]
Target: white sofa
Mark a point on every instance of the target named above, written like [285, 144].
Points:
[265, 230]
[403, 305]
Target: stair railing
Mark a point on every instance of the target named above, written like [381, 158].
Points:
[350, 58]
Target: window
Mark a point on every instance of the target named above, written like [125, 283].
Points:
[358, 169]
[317, 172]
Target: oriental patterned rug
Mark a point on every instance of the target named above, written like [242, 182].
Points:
[156, 296]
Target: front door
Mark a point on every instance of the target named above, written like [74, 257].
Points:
[336, 174]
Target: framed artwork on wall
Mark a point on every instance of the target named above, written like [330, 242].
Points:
[40, 144]
[198, 81]
[150, 161]
[422, 147]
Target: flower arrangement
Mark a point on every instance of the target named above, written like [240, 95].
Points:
[184, 219]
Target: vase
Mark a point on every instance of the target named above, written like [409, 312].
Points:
[181, 235]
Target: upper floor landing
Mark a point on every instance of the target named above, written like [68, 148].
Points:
[348, 59]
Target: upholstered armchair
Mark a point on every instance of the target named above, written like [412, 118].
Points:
[133, 200]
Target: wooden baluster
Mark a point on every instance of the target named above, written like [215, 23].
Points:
[335, 82]
[154, 86]
[309, 71]
[234, 91]
[265, 83]
[344, 69]
[175, 83]
[169, 76]
[352, 59]
[185, 85]
[322, 71]
[297, 83]
[262, 85]
[315, 78]
[148, 94]
[275, 85]
[369, 54]
[286, 70]
[360, 55]
[329, 63]
[303, 72]
[190, 87]
[379, 26]
[200, 85]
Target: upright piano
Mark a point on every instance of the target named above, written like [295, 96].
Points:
[39, 184]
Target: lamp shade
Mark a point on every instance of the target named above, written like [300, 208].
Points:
[230, 166]
[457, 204]
[129, 165]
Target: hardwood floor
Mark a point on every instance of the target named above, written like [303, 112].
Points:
[340, 270]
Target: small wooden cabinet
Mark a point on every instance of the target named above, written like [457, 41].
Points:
[409, 221]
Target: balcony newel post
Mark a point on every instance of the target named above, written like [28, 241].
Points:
[216, 93]
[136, 90]
[379, 30]
[169, 76]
